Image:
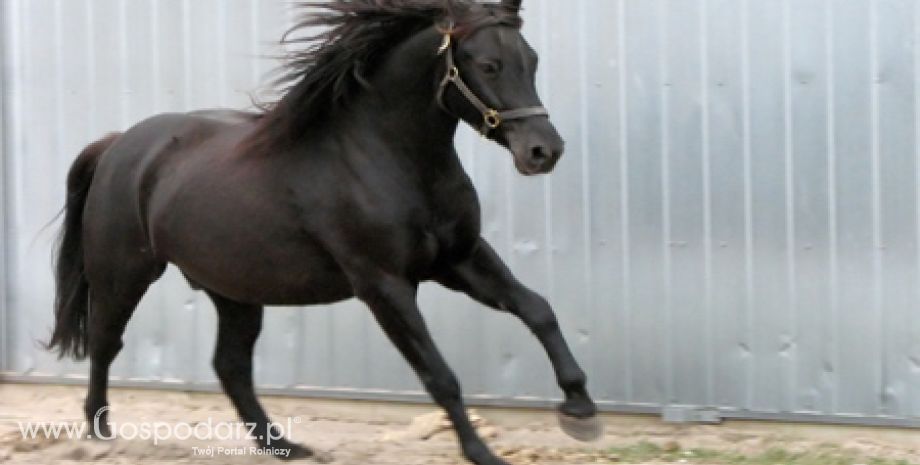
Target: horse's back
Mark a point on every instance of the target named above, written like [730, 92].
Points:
[168, 133]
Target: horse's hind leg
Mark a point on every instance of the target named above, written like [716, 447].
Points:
[114, 294]
[239, 326]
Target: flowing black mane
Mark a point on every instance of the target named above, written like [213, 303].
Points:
[353, 35]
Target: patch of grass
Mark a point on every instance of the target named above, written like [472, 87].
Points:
[645, 451]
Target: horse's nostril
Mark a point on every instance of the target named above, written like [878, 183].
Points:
[540, 153]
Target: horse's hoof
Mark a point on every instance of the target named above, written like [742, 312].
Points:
[581, 429]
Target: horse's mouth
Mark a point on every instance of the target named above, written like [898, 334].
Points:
[529, 166]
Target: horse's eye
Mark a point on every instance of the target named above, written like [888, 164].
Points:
[490, 68]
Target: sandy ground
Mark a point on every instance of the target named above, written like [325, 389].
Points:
[362, 433]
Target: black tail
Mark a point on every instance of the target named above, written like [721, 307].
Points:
[71, 304]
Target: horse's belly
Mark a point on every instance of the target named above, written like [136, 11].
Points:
[296, 276]
[227, 225]
[248, 255]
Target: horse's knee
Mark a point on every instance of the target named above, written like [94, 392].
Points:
[536, 312]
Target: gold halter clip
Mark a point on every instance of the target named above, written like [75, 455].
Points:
[445, 44]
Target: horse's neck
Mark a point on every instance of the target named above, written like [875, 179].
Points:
[401, 107]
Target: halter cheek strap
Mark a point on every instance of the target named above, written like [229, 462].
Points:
[491, 118]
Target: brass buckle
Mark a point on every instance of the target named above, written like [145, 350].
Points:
[445, 44]
[492, 119]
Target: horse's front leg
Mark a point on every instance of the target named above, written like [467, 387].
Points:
[484, 277]
[392, 301]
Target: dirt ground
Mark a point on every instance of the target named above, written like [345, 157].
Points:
[364, 433]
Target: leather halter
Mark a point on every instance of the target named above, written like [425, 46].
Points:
[491, 118]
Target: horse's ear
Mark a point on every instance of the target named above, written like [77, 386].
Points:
[512, 5]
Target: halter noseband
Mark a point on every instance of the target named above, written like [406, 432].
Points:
[491, 118]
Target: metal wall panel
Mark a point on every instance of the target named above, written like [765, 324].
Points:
[734, 225]
[4, 282]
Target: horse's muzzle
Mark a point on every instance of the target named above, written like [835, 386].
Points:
[536, 146]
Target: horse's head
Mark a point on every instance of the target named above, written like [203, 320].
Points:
[490, 83]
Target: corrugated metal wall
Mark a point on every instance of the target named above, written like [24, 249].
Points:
[735, 223]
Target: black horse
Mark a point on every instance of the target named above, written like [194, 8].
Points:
[348, 186]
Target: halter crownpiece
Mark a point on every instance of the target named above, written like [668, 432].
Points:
[491, 118]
